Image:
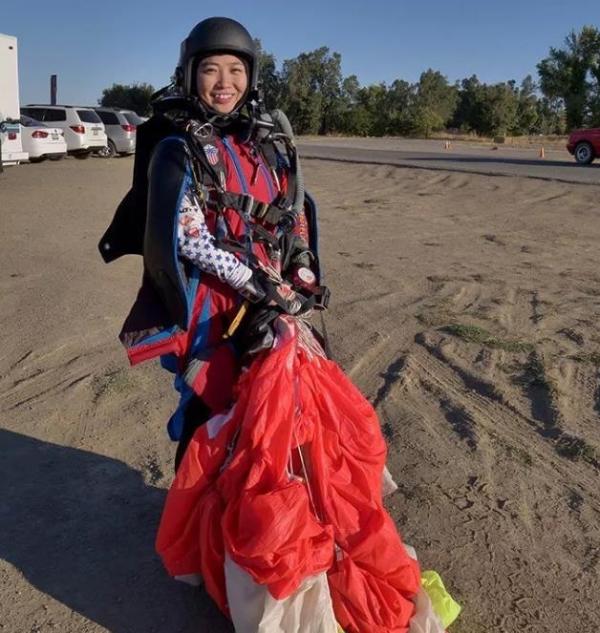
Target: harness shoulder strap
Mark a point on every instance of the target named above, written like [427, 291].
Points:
[203, 143]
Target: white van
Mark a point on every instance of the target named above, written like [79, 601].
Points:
[83, 128]
[10, 131]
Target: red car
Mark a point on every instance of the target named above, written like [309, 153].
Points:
[584, 145]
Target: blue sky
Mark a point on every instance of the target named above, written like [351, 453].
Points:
[91, 45]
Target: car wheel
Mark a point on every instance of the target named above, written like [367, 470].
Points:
[56, 156]
[82, 155]
[584, 153]
[109, 151]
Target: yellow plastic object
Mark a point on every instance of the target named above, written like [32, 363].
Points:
[233, 326]
[445, 607]
[340, 630]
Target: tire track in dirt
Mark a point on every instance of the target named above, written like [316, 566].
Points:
[422, 376]
[470, 394]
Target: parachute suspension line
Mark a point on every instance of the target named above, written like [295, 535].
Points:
[307, 480]
[230, 450]
[297, 414]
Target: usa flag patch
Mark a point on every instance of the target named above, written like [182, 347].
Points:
[212, 154]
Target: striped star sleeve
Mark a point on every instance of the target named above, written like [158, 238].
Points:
[197, 244]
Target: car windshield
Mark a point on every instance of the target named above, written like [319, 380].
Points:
[133, 118]
[27, 121]
[88, 116]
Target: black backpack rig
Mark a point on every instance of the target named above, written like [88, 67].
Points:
[272, 135]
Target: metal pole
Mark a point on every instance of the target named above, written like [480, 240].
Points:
[53, 83]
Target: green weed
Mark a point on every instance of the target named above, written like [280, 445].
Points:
[479, 335]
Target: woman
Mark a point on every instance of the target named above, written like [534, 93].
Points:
[235, 196]
[277, 500]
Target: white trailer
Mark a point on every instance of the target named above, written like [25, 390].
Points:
[10, 130]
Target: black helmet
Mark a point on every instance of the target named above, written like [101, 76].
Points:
[215, 35]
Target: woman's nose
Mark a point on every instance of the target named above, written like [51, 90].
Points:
[223, 78]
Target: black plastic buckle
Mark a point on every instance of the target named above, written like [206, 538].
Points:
[247, 205]
[322, 296]
[260, 209]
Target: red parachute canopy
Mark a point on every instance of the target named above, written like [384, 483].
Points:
[288, 484]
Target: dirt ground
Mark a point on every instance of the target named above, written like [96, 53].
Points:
[464, 306]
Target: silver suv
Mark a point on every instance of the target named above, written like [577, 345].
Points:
[121, 130]
[84, 131]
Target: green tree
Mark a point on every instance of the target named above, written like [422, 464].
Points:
[269, 81]
[527, 111]
[355, 120]
[312, 90]
[434, 102]
[350, 90]
[300, 98]
[499, 109]
[329, 80]
[468, 115]
[136, 97]
[594, 97]
[571, 74]
[397, 113]
[551, 117]
[372, 101]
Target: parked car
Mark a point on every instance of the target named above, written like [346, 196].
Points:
[120, 130]
[584, 145]
[83, 128]
[41, 141]
[11, 148]
[134, 118]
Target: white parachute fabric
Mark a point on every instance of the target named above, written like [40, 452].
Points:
[388, 485]
[254, 610]
[424, 619]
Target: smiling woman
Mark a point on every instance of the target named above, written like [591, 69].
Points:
[222, 82]
[277, 499]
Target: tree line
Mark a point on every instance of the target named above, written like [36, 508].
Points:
[318, 99]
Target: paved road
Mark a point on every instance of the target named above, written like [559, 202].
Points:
[557, 164]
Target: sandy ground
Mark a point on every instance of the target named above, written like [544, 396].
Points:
[464, 306]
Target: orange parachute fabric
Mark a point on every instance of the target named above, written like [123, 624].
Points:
[288, 483]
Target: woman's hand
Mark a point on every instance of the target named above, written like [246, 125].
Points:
[287, 298]
[260, 288]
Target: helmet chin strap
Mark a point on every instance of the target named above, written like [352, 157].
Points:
[221, 120]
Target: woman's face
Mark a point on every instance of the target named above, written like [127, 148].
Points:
[222, 81]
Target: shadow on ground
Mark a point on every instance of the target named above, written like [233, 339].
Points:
[81, 528]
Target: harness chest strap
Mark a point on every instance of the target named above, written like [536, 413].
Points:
[249, 207]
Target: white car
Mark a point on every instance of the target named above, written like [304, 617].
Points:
[41, 141]
[84, 131]
[11, 149]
